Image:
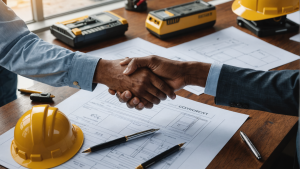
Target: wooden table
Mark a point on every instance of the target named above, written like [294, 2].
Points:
[269, 132]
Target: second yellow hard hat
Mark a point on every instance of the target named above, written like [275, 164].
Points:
[45, 138]
[256, 10]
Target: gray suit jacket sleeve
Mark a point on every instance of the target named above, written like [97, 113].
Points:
[272, 91]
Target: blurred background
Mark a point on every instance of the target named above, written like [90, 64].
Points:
[51, 7]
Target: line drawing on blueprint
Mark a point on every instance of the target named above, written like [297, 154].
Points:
[233, 52]
[101, 111]
[177, 58]
[131, 52]
[184, 124]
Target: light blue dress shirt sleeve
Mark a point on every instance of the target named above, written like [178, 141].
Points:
[24, 53]
[212, 79]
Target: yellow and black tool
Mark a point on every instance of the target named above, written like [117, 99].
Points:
[169, 22]
[87, 29]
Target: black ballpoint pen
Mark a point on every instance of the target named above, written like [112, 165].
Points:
[159, 157]
[119, 141]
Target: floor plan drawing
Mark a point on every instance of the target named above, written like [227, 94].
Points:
[132, 51]
[102, 118]
[233, 52]
[233, 47]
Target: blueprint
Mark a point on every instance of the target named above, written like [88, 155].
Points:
[205, 129]
[139, 48]
[296, 38]
[295, 17]
[234, 47]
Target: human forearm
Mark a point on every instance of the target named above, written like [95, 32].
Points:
[196, 73]
[41, 61]
[272, 91]
[24, 53]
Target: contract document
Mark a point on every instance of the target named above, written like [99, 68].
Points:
[139, 48]
[205, 129]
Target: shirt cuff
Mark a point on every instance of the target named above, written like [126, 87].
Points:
[212, 79]
[82, 71]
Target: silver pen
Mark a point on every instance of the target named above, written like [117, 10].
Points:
[250, 145]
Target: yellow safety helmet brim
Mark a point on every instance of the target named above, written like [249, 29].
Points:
[252, 15]
[52, 162]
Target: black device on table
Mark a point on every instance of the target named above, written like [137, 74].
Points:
[41, 97]
[269, 26]
[37, 95]
[87, 29]
[136, 5]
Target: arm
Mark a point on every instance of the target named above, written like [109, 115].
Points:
[24, 53]
[272, 91]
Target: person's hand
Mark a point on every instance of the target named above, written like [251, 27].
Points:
[177, 74]
[142, 84]
[126, 97]
[172, 72]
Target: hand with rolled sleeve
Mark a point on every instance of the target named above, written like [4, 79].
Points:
[24, 53]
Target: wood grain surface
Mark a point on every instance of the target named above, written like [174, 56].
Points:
[269, 132]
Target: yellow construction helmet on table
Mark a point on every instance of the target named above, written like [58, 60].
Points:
[266, 17]
[45, 138]
[256, 10]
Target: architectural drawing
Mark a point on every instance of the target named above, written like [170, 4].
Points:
[229, 51]
[233, 47]
[132, 51]
[101, 111]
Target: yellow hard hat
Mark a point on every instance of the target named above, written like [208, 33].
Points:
[45, 138]
[256, 10]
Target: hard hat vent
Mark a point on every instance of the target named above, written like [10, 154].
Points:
[36, 157]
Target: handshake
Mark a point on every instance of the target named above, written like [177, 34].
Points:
[142, 82]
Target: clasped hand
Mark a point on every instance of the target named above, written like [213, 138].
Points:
[147, 80]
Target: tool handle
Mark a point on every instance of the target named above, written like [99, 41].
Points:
[161, 156]
[140, 2]
[108, 144]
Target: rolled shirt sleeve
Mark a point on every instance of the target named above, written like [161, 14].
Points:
[24, 53]
[213, 78]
